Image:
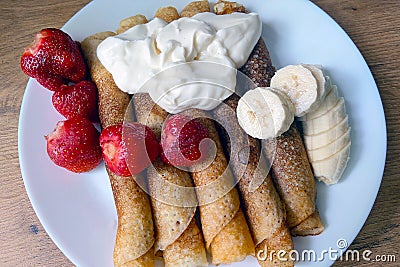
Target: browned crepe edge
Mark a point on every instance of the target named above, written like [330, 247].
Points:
[310, 226]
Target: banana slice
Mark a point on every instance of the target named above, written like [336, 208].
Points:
[328, 81]
[328, 103]
[327, 120]
[322, 88]
[264, 113]
[322, 139]
[331, 148]
[330, 170]
[299, 84]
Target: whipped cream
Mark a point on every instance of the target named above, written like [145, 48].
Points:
[153, 58]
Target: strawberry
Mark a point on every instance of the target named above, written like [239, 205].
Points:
[53, 59]
[123, 148]
[180, 141]
[74, 145]
[79, 100]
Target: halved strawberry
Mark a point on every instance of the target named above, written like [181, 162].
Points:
[128, 149]
[53, 59]
[77, 100]
[74, 145]
[181, 141]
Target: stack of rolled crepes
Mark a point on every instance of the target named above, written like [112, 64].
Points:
[226, 232]
[135, 233]
[176, 231]
[223, 224]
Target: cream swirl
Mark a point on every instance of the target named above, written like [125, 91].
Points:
[224, 42]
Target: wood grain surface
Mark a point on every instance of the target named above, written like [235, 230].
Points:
[372, 24]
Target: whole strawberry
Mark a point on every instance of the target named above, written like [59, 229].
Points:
[53, 59]
[74, 145]
[128, 149]
[79, 100]
[180, 141]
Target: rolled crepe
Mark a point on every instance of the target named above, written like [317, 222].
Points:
[264, 209]
[290, 168]
[135, 238]
[195, 7]
[223, 223]
[112, 101]
[135, 232]
[177, 233]
[295, 181]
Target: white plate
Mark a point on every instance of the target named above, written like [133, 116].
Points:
[78, 211]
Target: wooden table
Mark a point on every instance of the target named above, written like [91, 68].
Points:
[372, 24]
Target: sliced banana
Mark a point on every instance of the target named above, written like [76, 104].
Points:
[328, 81]
[264, 113]
[322, 139]
[299, 84]
[287, 103]
[327, 120]
[330, 170]
[331, 98]
[322, 88]
[331, 148]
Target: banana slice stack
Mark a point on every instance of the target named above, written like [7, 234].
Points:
[327, 135]
[323, 115]
[305, 92]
